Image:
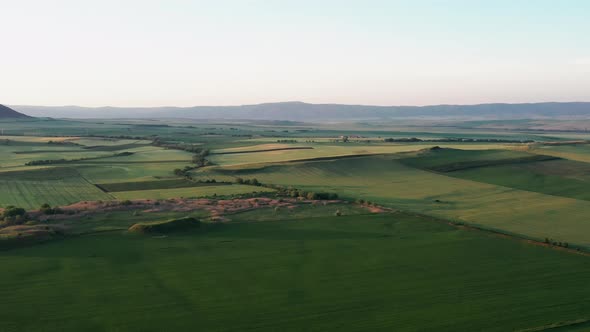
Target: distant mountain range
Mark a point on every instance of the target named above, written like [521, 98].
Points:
[9, 113]
[298, 111]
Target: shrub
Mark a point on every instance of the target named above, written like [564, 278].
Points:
[13, 211]
[312, 195]
[168, 226]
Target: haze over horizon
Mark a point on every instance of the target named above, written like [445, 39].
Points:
[191, 53]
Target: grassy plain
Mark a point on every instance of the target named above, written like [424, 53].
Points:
[330, 150]
[385, 180]
[200, 191]
[355, 273]
[303, 268]
[55, 186]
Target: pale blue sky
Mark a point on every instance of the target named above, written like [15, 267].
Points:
[183, 53]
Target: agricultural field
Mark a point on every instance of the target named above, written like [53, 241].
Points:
[388, 181]
[197, 191]
[55, 186]
[257, 154]
[408, 274]
[291, 228]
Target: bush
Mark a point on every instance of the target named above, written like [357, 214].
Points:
[48, 210]
[169, 226]
[126, 202]
[13, 211]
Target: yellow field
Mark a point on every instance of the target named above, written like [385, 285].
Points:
[322, 150]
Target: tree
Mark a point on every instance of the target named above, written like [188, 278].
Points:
[13, 211]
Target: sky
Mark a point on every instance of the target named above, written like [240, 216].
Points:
[231, 52]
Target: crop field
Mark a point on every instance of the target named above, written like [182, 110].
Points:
[192, 192]
[423, 239]
[324, 150]
[387, 181]
[519, 170]
[58, 186]
[150, 185]
[128, 172]
[409, 274]
[579, 152]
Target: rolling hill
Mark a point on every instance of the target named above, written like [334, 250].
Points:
[9, 113]
[299, 111]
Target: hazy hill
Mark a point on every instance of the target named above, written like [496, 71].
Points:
[9, 113]
[298, 111]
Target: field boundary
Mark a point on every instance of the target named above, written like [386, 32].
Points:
[264, 150]
[572, 248]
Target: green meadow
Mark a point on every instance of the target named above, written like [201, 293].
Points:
[192, 192]
[55, 186]
[378, 272]
[429, 236]
[388, 181]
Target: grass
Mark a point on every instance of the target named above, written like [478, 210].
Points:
[299, 212]
[164, 227]
[387, 181]
[537, 173]
[327, 150]
[151, 185]
[55, 186]
[355, 273]
[447, 160]
[132, 172]
[201, 191]
[525, 179]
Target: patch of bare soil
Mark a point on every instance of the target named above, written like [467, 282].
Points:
[216, 208]
[11, 236]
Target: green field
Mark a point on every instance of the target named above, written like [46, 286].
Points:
[452, 253]
[378, 273]
[385, 180]
[201, 191]
[55, 186]
[327, 150]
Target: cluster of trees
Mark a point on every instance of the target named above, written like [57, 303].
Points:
[48, 210]
[556, 243]
[199, 158]
[252, 182]
[286, 141]
[290, 192]
[194, 148]
[184, 172]
[13, 215]
[48, 161]
[456, 139]
[364, 202]
[51, 142]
